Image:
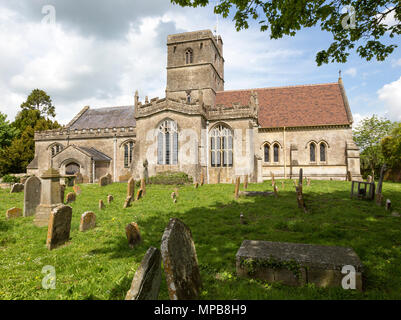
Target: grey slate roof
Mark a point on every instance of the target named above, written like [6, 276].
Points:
[95, 154]
[114, 117]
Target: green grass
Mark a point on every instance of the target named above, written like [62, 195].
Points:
[99, 264]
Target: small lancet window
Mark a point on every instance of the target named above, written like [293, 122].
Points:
[189, 56]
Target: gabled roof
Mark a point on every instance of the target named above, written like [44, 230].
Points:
[295, 106]
[114, 117]
[95, 154]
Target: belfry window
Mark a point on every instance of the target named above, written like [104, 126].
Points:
[221, 147]
[56, 149]
[167, 143]
[189, 56]
[128, 153]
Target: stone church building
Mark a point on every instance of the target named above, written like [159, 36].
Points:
[199, 127]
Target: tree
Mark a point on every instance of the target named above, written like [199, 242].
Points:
[368, 136]
[39, 100]
[364, 26]
[391, 147]
[7, 132]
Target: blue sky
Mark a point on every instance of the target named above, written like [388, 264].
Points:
[99, 52]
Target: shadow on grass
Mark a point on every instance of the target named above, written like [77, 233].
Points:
[117, 248]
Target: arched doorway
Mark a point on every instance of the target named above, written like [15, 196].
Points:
[72, 168]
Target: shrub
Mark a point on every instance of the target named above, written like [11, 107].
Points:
[10, 179]
[169, 178]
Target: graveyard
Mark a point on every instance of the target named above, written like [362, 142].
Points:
[100, 263]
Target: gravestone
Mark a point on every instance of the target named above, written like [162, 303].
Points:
[300, 198]
[275, 191]
[101, 205]
[180, 262]
[110, 199]
[62, 191]
[127, 202]
[71, 197]
[109, 178]
[50, 197]
[131, 188]
[13, 213]
[17, 188]
[88, 221]
[301, 173]
[147, 279]
[133, 234]
[103, 181]
[237, 184]
[59, 227]
[297, 264]
[388, 204]
[379, 196]
[246, 182]
[79, 179]
[145, 172]
[32, 190]
[143, 187]
[196, 186]
[139, 195]
[77, 190]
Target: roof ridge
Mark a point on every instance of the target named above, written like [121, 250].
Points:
[281, 87]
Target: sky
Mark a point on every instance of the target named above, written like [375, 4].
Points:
[97, 53]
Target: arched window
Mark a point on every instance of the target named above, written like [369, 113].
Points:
[312, 148]
[276, 149]
[323, 152]
[128, 154]
[57, 148]
[267, 153]
[188, 97]
[221, 147]
[189, 56]
[167, 143]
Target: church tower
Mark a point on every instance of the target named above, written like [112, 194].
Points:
[195, 63]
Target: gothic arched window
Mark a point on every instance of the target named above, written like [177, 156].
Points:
[189, 56]
[221, 147]
[128, 154]
[312, 149]
[167, 143]
[267, 152]
[276, 149]
[323, 152]
[57, 148]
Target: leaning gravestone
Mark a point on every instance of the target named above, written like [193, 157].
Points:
[131, 188]
[88, 221]
[147, 279]
[180, 262]
[59, 227]
[17, 188]
[32, 190]
[13, 213]
[133, 234]
[139, 195]
[127, 202]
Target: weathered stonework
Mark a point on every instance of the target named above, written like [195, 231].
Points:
[59, 227]
[32, 191]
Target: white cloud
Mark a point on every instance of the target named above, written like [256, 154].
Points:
[390, 95]
[351, 71]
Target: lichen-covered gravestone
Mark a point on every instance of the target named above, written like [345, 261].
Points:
[180, 262]
[17, 188]
[127, 202]
[32, 190]
[13, 213]
[147, 279]
[133, 234]
[88, 221]
[59, 227]
[131, 188]
[71, 197]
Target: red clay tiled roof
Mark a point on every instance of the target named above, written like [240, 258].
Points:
[296, 106]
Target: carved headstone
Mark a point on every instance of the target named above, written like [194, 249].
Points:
[71, 197]
[237, 185]
[13, 213]
[103, 181]
[88, 221]
[147, 279]
[17, 188]
[59, 227]
[32, 190]
[131, 188]
[133, 234]
[180, 262]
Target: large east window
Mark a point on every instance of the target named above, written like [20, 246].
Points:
[167, 143]
[221, 147]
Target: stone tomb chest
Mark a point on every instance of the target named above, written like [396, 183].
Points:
[297, 264]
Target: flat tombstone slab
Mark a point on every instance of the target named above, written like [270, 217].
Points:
[71, 197]
[13, 213]
[17, 188]
[180, 262]
[59, 227]
[88, 221]
[32, 192]
[297, 264]
[147, 279]
[133, 234]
